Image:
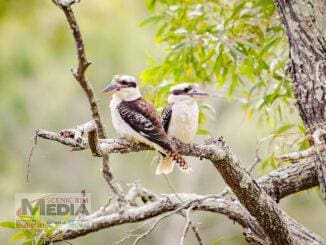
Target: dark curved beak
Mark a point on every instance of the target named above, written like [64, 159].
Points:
[111, 88]
[198, 93]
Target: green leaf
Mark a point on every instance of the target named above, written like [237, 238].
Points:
[205, 106]
[268, 162]
[150, 4]
[29, 242]
[273, 162]
[18, 236]
[151, 20]
[8, 224]
[302, 129]
[269, 45]
[282, 129]
[202, 131]
[303, 145]
[202, 118]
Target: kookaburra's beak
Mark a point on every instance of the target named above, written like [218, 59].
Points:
[198, 93]
[111, 88]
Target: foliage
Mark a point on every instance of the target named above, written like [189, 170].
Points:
[33, 234]
[237, 46]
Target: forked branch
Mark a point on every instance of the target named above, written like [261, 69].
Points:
[79, 74]
[277, 184]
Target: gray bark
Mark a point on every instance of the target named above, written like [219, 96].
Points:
[305, 25]
[277, 184]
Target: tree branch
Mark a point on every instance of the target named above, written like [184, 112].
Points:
[80, 76]
[278, 184]
[169, 204]
[292, 156]
[252, 196]
[83, 63]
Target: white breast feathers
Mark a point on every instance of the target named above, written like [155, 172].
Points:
[184, 121]
[122, 128]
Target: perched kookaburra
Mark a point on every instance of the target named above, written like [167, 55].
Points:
[180, 118]
[136, 119]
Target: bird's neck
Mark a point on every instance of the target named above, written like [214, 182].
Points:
[120, 96]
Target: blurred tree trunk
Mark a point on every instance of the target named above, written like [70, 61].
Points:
[305, 24]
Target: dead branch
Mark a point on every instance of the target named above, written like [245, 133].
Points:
[169, 204]
[188, 223]
[292, 156]
[80, 76]
[83, 63]
[290, 179]
[278, 184]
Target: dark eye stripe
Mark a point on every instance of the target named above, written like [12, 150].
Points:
[128, 84]
[132, 84]
[186, 90]
[178, 91]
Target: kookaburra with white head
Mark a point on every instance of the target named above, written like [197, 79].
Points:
[180, 118]
[136, 119]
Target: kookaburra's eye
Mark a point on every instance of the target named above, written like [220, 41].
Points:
[186, 90]
[124, 82]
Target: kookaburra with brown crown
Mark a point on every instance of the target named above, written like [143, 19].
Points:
[136, 119]
[180, 118]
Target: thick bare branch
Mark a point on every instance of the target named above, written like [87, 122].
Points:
[277, 184]
[252, 196]
[83, 64]
[169, 204]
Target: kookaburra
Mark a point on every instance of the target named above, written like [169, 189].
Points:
[136, 119]
[180, 118]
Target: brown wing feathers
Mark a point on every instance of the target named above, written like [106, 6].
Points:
[143, 118]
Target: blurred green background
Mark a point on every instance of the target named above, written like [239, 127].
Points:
[38, 91]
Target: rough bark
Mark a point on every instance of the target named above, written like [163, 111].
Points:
[255, 199]
[278, 184]
[256, 211]
[304, 23]
[170, 204]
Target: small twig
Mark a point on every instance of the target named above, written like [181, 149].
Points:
[141, 226]
[301, 154]
[196, 232]
[82, 211]
[188, 223]
[171, 187]
[193, 226]
[124, 239]
[30, 157]
[115, 187]
[83, 64]
[161, 218]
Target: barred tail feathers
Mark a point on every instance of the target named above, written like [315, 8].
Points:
[179, 161]
[165, 165]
